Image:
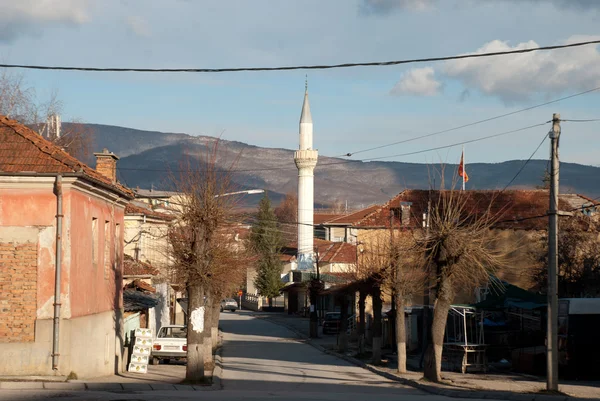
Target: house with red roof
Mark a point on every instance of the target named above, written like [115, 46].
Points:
[61, 255]
[519, 221]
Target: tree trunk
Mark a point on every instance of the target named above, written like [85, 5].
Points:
[342, 334]
[400, 331]
[215, 328]
[195, 334]
[441, 307]
[270, 302]
[208, 324]
[377, 325]
[361, 321]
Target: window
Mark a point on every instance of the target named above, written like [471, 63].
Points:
[95, 242]
[106, 249]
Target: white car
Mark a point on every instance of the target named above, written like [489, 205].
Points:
[170, 343]
[229, 304]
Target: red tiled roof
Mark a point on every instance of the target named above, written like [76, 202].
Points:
[355, 217]
[133, 209]
[24, 151]
[140, 285]
[320, 218]
[132, 267]
[516, 209]
[329, 252]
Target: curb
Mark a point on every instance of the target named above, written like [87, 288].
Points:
[81, 385]
[217, 383]
[447, 392]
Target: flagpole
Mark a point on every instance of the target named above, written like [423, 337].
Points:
[463, 166]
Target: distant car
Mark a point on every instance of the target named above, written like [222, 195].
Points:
[332, 322]
[170, 343]
[229, 304]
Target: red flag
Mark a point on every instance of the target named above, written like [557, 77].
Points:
[461, 168]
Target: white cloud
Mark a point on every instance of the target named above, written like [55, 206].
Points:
[26, 17]
[517, 77]
[382, 7]
[138, 26]
[418, 81]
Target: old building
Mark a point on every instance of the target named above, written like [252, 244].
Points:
[61, 232]
[518, 220]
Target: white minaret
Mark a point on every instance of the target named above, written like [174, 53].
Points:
[306, 160]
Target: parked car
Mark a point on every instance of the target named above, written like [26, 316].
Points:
[229, 304]
[332, 322]
[170, 343]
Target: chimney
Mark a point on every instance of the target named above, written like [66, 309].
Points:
[106, 164]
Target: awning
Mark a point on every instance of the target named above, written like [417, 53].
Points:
[135, 301]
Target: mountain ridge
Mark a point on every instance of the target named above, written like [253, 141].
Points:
[150, 158]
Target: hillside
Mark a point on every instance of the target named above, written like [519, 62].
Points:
[153, 158]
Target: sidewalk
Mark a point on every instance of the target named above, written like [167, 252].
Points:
[501, 386]
[159, 378]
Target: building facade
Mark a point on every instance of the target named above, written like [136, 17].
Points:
[61, 231]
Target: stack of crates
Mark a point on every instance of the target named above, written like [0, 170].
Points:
[142, 348]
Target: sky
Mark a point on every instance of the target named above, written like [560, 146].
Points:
[353, 109]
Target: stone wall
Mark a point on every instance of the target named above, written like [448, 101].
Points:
[18, 291]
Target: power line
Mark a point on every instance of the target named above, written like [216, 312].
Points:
[526, 162]
[581, 121]
[476, 123]
[298, 67]
[457, 143]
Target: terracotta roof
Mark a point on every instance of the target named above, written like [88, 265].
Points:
[329, 252]
[320, 218]
[355, 217]
[137, 209]
[132, 267]
[516, 209]
[141, 285]
[24, 151]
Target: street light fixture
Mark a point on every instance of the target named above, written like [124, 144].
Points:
[247, 192]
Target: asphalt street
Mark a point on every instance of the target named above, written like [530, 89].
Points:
[263, 361]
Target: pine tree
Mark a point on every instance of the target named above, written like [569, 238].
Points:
[266, 242]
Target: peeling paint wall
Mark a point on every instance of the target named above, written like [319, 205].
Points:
[91, 296]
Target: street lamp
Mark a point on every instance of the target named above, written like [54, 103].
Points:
[247, 192]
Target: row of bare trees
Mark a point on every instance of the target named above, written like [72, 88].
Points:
[206, 257]
[452, 253]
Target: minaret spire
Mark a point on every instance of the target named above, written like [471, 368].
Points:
[306, 160]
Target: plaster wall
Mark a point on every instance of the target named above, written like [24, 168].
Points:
[86, 348]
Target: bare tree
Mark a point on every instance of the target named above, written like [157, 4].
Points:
[370, 273]
[20, 102]
[199, 252]
[405, 277]
[578, 259]
[458, 250]
[287, 215]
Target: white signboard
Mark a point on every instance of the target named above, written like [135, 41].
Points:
[142, 349]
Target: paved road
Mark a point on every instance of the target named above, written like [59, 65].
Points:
[263, 357]
[264, 361]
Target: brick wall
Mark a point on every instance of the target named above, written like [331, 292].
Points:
[18, 290]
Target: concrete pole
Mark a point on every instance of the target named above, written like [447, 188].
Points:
[552, 336]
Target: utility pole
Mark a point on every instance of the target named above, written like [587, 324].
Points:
[552, 335]
[426, 291]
